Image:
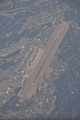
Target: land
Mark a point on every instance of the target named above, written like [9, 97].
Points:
[39, 58]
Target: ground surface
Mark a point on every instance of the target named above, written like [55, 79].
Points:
[39, 59]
